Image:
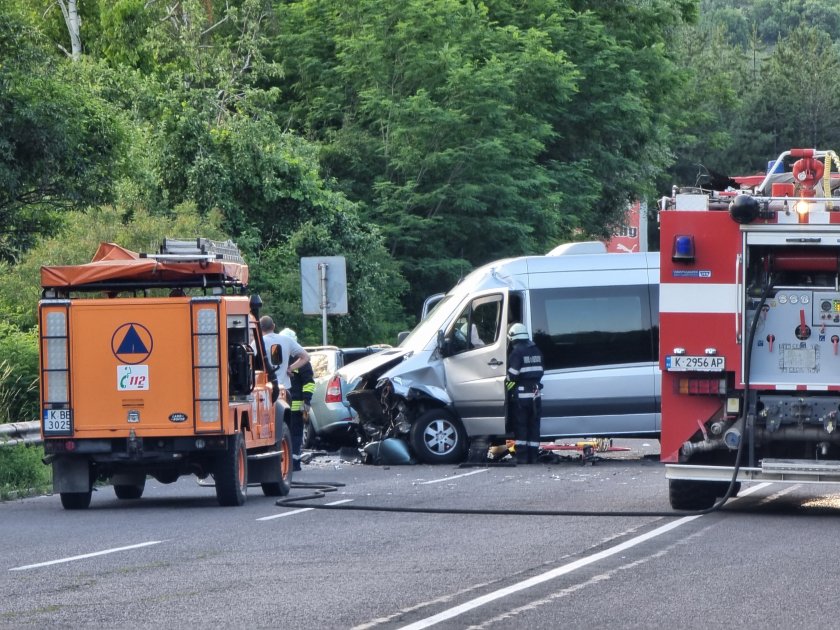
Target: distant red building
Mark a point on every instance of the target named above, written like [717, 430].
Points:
[632, 236]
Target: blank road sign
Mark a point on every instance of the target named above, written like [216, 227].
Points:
[335, 272]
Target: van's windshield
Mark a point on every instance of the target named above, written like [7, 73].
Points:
[427, 329]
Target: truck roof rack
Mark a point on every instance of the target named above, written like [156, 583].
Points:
[195, 263]
[197, 249]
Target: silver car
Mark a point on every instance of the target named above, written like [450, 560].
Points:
[332, 422]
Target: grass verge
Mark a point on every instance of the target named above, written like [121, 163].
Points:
[22, 473]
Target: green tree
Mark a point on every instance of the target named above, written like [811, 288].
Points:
[797, 107]
[526, 124]
[423, 111]
[59, 142]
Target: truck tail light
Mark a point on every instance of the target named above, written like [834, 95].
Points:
[333, 394]
[55, 366]
[705, 386]
[206, 368]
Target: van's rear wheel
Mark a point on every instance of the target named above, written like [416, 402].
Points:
[691, 495]
[438, 437]
[231, 473]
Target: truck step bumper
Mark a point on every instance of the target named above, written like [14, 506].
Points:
[779, 470]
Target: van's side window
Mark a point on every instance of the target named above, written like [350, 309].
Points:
[587, 326]
[478, 324]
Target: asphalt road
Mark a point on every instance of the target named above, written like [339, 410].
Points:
[174, 559]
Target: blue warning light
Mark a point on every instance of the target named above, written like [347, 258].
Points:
[683, 248]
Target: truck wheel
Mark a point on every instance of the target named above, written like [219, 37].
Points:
[284, 445]
[129, 491]
[438, 437]
[76, 500]
[691, 495]
[231, 473]
[722, 486]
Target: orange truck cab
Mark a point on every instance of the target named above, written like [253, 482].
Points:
[153, 364]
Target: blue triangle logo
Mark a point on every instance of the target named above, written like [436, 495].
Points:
[132, 344]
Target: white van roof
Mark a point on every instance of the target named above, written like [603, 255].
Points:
[514, 272]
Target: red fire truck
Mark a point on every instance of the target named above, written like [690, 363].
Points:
[750, 330]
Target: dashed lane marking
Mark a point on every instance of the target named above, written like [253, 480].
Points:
[299, 511]
[453, 477]
[86, 555]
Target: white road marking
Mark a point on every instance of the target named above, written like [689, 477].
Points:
[86, 555]
[558, 571]
[777, 495]
[282, 514]
[473, 472]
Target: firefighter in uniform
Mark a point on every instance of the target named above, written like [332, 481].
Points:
[301, 389]
[524, 373]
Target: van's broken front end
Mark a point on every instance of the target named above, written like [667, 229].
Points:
[405, 398]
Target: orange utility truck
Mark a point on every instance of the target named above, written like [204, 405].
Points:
[153, 364]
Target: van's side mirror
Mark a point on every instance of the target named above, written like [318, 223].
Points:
[443, 344]
[401, 336]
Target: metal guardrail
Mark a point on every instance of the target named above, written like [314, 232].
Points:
[13, 433]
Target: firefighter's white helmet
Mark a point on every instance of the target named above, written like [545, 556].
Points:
[288, 332]
[517, 331]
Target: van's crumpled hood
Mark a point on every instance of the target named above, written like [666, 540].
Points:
[354, 371]
[410, 373]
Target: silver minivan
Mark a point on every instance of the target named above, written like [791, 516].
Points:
[595, 318]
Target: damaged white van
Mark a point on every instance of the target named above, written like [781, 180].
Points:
[595, 317]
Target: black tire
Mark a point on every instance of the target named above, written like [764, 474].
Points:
[309, 436]
[76, 500]
[691, 495]
[284, 445]
[438, 437]
[129, 491]
[231, 473]
[722, 486]
[166, 476]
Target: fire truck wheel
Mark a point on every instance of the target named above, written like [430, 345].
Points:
[284, 445]
[722, 486]
[129, 491]
[75, 500]
[231, 473]
[437, 437]
[691, 495]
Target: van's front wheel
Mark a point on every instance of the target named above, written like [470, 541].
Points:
[438, 437]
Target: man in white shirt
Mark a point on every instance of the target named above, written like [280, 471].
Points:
[288, 348]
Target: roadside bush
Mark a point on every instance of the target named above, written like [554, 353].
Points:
[18, 374]
[22, 472]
